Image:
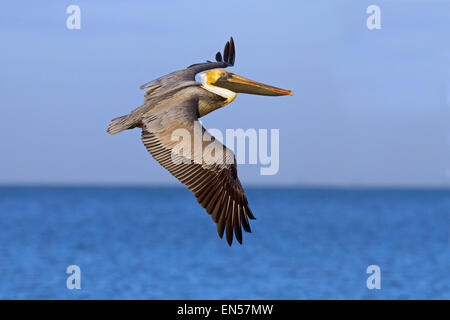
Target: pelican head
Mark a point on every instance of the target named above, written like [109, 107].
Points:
[227, 84]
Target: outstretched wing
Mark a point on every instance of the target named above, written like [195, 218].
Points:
[189, 73]
[215, 184]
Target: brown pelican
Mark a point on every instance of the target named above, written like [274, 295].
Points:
[177, 101]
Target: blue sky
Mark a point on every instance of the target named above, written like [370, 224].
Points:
[371, 108]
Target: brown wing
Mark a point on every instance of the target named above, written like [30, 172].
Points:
[214, 183]
[189, 73]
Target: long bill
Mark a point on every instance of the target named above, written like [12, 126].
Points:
[240, 84]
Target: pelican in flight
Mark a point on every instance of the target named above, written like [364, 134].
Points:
[177, 101]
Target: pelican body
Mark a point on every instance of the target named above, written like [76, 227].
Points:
[177, 101]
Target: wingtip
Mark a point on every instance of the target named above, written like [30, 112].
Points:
[218, 57]
[230, 240]
[232, 51]
[220, 228]
[226, 52]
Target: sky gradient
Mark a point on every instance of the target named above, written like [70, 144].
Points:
[370, 107]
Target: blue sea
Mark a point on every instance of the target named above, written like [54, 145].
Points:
[158, 243]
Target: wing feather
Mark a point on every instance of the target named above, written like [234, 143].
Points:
[215, 185]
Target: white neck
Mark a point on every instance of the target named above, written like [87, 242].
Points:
[225, 93]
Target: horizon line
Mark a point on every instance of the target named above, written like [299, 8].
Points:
[250, 185]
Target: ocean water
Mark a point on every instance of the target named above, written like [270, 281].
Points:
[158, 243]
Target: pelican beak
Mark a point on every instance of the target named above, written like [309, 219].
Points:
[240, 84]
